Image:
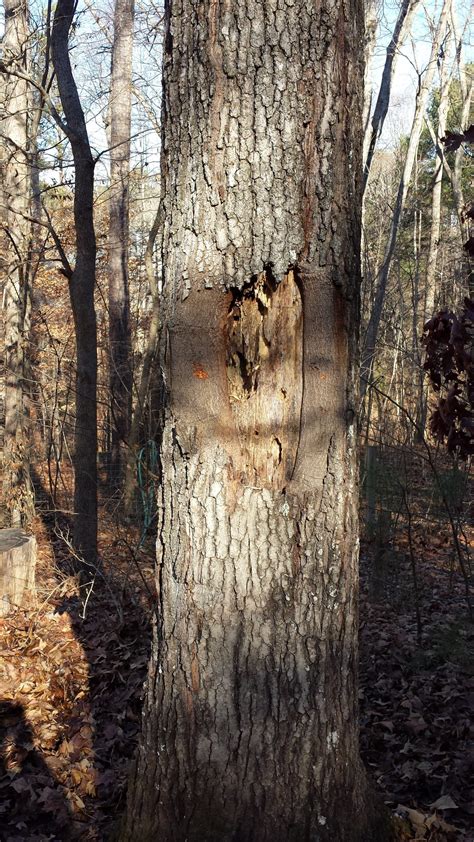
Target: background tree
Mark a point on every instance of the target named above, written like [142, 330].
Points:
[15, 258]
[81, 289]
[373, 130]
[425, 82]
[119, 298]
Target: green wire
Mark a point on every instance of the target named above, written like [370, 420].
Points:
[148, 456]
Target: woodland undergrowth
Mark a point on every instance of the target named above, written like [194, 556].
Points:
[73, 666]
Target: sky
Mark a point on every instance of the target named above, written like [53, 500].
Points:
[413, 57]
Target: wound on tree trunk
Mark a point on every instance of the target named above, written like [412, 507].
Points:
[264, 338]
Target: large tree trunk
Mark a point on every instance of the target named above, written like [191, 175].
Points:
[119, 300]
[15, 243]
[250, 720]
[81, 290]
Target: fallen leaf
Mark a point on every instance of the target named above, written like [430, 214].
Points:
[444, 803]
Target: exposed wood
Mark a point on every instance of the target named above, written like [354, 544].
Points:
[17, 568]
[265, 378]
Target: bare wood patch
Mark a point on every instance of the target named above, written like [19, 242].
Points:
[264, 336]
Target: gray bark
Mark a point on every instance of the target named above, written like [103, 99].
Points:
[119, 300]
[250, 717]
[81, 290]
[15, 246]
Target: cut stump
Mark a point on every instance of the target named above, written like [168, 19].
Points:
[17, 568]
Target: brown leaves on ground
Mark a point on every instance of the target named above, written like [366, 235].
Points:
[416, 702]
[70, 700]
[71, 689]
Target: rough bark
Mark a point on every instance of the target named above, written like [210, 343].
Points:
[250, 719]
[81, 290]
[374, 130]
[17, 568]
[383, 274]
[119, 301]
[15, 197]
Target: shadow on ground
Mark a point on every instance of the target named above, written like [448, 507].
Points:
[100, 723]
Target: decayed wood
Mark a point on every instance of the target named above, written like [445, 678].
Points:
[17, 568]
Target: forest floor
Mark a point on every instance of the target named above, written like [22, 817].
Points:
[71, 680]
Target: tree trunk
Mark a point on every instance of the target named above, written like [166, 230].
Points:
[421, 101]
[465, 81]
[17, 568]
[147, 371]
[81, 290]
[436, 195]
[119, 300]
[15, 177]
[250, 719]
[371, 27]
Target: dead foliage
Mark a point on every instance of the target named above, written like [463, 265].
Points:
[71, 682]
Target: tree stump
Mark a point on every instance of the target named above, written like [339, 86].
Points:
[17, 568]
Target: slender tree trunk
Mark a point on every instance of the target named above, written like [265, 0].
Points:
[465, 81]
[250, 722]
[421, 102]
[81, 289]
[119, 300]
[431, 285]
[435, 227]
[15, 246]
[147, 371]
[371, 26]
[374, 129]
